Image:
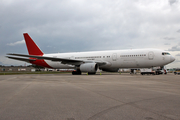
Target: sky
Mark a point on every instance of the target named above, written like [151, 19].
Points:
[86, 25]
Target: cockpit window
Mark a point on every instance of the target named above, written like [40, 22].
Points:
[165, 53]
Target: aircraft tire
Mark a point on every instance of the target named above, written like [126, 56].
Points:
[76, 73]
[91, 73]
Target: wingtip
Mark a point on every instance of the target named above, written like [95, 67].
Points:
[8, 56]
[9, 53]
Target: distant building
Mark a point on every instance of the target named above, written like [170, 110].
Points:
[29, 69]
[16, 69]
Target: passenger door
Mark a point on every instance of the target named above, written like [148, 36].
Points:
[151, 55]
[114, 56]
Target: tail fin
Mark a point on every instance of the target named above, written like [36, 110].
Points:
[33, 49]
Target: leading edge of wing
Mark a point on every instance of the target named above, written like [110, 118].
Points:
[63, 60]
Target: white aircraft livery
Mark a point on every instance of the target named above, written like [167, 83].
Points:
[89, 62]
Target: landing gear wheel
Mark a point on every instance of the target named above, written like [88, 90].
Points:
[76, 72]
[91, 73]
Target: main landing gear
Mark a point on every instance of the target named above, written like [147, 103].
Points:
[78, 72]
[91, 73]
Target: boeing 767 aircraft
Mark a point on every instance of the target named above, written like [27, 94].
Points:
[109, 61]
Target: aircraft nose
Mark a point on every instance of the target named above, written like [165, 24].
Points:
[172, 58]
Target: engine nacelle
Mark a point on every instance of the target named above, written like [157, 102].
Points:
[89, 67]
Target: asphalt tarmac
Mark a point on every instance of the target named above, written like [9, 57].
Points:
[90, 97]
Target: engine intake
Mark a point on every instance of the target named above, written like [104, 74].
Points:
[89, 67]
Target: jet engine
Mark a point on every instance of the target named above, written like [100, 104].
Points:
[89, 67]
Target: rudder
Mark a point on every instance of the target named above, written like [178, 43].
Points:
[32, 48]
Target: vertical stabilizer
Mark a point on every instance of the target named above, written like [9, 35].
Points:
[33, 49]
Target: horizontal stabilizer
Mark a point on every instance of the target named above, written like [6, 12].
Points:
[21, 59]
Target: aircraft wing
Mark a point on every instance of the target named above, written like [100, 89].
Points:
[62, 60]
[21, 59]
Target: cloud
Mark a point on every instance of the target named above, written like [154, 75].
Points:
[80, 25]
[174, 48]
[16, 43]
[49, 46]
[1, 63]
[171, 2]
[167, 44]
[177, 61]
[169, 38]
[178, 54]
[178, 31]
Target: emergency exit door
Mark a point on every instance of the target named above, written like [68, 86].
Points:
[114, 57]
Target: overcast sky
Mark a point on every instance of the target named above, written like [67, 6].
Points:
[86, 25]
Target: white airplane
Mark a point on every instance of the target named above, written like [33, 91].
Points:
[109, 61]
